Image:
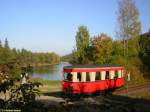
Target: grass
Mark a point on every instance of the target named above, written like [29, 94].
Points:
[142, 95]
[48, 85]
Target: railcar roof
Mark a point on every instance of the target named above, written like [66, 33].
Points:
[91, 66]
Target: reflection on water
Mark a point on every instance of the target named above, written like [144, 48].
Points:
[51, 69]
[51, 72]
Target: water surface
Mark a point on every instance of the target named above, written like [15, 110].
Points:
[50, 72]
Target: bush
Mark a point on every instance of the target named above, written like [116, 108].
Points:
[19, 96]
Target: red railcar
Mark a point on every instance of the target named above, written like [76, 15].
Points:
[85, 79]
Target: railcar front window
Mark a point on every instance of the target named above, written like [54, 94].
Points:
[67, 76]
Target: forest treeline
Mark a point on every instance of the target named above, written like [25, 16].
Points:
[16, 59]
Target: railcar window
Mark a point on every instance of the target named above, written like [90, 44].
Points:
[65, 76]
[68, 76]
[116, 74]
[79, 76]
[87, 76]
[98, 76]
[107, 75]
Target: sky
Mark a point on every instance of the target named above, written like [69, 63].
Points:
[51, 25]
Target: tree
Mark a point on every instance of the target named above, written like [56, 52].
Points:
[6, 45]
[117, 48]
[5, 53]
[67, 58]
[54, 58]
[145, 49]
[82, 44]
[129, 33]
[1, 44]
[101, 49]
[129, 26]
[1, 51]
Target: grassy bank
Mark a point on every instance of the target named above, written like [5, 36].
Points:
[49, 85]
[142, 95]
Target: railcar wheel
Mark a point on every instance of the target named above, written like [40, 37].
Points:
[102, 93]
[69, 92]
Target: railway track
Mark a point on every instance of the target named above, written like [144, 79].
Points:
[119, 102]
[132, 89]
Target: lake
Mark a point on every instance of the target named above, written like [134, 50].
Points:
[50, 72]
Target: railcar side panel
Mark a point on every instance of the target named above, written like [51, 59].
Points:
[90, 87]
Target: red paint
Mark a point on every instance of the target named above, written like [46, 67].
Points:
[93, 69]
[90, 87]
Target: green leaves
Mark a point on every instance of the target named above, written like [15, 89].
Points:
[128, 23]
[145, 49]
[5, 85]
[18, 95]
[82, 44]
[25, 93]
[95, 50]
[101, 49]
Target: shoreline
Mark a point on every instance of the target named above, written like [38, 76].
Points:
[39, 65]
[46, 64]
